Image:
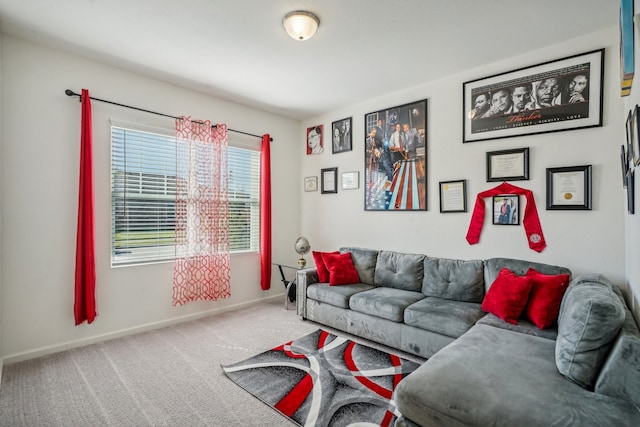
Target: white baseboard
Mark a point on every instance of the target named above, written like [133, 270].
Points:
[44, 351]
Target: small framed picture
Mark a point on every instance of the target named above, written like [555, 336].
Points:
[508, 165]
[631, 134]
[453, 196]
[636, 136]
[329, 180]
[506, 209]
[311, 183]
[314, 140]
[630, 191]
[624, 165]
[350, 180]
[341, 136]
[569, 188]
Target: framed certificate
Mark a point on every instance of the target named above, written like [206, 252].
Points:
[329, 181]
[508, 165]
[569, 188]
[350, 180]
[453, 196]
[311, 183]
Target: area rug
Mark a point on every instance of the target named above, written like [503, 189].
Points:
[325, 380]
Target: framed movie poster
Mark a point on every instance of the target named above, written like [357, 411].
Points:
[341, 136]
[395, 158]
[314, 140]
[627, 57]
[558, 95]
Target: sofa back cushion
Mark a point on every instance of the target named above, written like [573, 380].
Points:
[364, 260]
[591, 315]
[453, 279]
[400, 271]
[493, 266]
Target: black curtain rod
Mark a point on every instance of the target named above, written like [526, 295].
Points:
[69, 92]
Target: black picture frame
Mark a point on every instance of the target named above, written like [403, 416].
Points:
[631, 134]
[630, 192]
[624, 165]
[506, 209]
[508, 165]
[548, 93]
[636, 136]
[569, 188]
[329, 180]
[453, 196]
[386, 159]
[341, 136]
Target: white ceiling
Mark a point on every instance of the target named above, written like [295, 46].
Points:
[238, 50]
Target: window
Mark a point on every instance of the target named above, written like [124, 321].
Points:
[143, 190]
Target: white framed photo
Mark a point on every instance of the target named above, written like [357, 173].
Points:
[311, 183]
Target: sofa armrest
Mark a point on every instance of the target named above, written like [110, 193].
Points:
[304, 278]
[620, 376]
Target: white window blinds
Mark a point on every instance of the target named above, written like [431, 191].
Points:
[143, 185]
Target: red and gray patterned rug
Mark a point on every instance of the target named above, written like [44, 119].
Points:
[325, 380]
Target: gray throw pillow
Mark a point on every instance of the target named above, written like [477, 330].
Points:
[364, 260]
[590, 317]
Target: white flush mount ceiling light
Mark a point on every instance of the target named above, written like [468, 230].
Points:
[300, 25]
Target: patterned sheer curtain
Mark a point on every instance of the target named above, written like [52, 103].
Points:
[202, 268]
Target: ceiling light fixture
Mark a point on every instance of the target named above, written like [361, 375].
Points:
[300, 25]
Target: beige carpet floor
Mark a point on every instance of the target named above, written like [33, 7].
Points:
[164, 377]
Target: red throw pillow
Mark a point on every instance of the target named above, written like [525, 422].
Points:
[341, 269]
[545, 298]
[507, 296]
[323, 273]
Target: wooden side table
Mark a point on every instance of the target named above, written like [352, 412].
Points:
[290, 285]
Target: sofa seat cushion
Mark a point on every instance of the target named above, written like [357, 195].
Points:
[446, 317]
[388, 303]
[400, 271]
[495, 377]
[337, 296]
[524, 326]
[453, 279]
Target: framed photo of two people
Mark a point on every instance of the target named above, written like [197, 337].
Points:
[558, 95]
[395, 158]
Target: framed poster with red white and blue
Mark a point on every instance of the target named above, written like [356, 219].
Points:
[395, 158]
[563, 94]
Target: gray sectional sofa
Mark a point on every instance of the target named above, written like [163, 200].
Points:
[481, 370]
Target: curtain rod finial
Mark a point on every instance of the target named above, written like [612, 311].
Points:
[69, 92]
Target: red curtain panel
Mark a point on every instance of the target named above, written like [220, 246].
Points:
[265, 213]
[84, 307]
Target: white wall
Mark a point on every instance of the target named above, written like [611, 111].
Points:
[632, 222]
[39, 168]
[584, 241]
